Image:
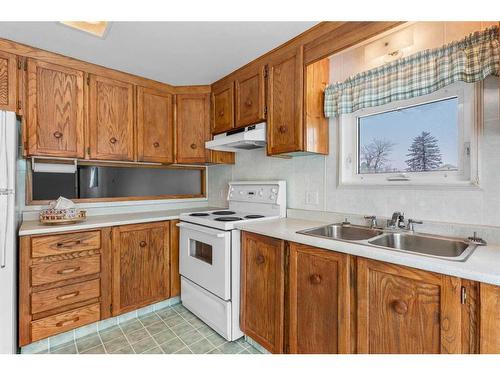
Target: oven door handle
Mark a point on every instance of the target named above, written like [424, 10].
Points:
[203, 230]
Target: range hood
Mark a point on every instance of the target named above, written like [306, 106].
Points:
[238, 140]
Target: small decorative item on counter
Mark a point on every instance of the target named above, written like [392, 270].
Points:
[62, 211]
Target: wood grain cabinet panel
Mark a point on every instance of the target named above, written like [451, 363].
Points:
[175, 277]
[404, 310]
[111, 119]
[319, 305]
[140, 265]
[55, 116]
[192, 127]
[284, 126]
[8, 81]
[250, 101]
[223, 107]
[57, 244]
[489, 319]
[52, 272]
[262, 290]
[155, 133]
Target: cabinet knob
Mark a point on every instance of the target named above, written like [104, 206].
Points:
[282, 129]
[113, 140]
[193, 146]
[142, 244]
[315, 278]
[260, 259]
[156, 145]
[248, 103]
[399, 306]
[221, 113]
[58, 134]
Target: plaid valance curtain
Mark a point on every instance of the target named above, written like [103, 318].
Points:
[470, 60]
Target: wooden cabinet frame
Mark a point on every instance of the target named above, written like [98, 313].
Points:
[8, 81]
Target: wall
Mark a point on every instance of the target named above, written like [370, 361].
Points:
[316, 177]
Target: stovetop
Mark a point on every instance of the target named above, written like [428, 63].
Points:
[222, 219]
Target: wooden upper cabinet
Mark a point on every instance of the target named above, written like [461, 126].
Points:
[405, 310]
[262, 290]
[140, 265]
[223, 107]
[111, 119]
[155, 135]
[250, 100]
[319, 301]
[55, 117]
[8, 81]
[284, 125]
[192, 127]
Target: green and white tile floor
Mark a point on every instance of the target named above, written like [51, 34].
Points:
[173, 330]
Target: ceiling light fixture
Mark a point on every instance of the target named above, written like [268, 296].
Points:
[96, 28]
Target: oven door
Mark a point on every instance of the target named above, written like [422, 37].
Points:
[205, 258]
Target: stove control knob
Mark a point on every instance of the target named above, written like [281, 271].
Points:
[272, 197]
[261, 193]
[274, 190]
[241, 192]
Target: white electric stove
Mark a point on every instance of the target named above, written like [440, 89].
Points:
[210, 252]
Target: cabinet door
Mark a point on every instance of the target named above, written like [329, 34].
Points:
[55, 110]
[192, 127]
[140, 265]
[489, 319]
[223, 107]
[111, 119]
[250, 96]
[319, 301]
[155, 133]
[404, 310]
[8, 93]
[262, 290]
[284, 132]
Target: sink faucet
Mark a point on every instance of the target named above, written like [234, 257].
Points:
[411, 224]
[397, 220]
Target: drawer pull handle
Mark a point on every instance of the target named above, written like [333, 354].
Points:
[282, 129]
[248, 103]
[221, 113]
[113, 140]
[156, 145]
[193, 146]
[66, 296]
[68, 244]
[260, 259]
[400, 307]
[63, 323]
[68, 270]
[58, 134]
[142, 244]
[315, 279]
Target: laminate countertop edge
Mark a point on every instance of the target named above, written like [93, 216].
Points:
[483, 265]
[34, 227]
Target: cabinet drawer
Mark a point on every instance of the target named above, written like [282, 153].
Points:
[44, 273]
[64, 322]
[65, 243]
[65, 295]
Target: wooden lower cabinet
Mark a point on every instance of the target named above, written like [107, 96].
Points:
[262, 290]
[300, 299]
[405, 310]
[175, 277]
[141, 255]
[319, 320]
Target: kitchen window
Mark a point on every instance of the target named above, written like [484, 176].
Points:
[428, 140]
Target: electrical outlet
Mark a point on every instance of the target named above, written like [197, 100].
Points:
[312, 198]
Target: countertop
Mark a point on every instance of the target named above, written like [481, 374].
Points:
[30, 227]
[483, 265]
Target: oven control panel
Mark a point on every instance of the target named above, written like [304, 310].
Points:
[268, 193]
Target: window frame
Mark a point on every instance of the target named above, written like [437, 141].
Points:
[469, 127]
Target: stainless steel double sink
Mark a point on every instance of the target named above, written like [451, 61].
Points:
[415, 243]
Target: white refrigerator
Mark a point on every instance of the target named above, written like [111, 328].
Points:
[8, 228]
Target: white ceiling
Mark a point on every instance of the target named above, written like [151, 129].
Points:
[179, 53]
